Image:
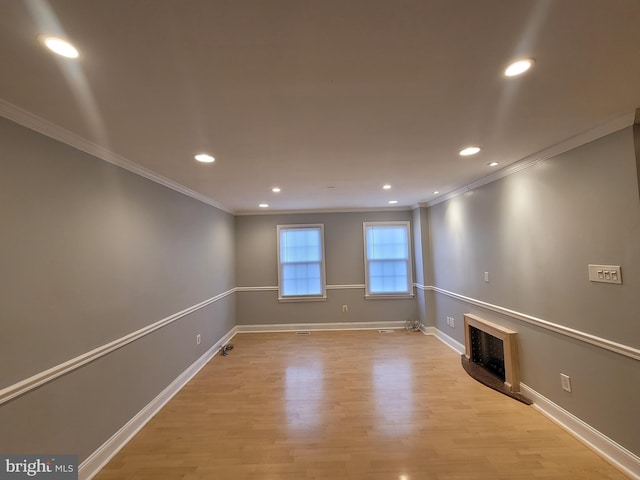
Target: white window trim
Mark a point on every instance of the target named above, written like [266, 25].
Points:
[377, 296]
[303, 298]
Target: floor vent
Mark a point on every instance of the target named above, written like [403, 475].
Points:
[386, 331]
[303, 333]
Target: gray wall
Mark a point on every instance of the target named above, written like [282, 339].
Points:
[257, 266]
[89, 253]
[423, 266]
[535, 232]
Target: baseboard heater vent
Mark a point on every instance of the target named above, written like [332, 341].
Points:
[386, 331]
[306, 332]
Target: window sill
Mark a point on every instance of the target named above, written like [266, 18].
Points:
[390, 296]
[302, 299]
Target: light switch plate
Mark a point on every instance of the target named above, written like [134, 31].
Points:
[605, 273]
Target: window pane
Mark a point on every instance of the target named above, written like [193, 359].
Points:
[387, 242]
[390, 276]
[387, 257]
[299, 245]
[301, 279]
[301, 265]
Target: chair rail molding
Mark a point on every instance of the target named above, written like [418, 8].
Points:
[34, 381]
[619, 348]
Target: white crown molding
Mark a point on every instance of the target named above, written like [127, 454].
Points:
[52, 373]
[613, 125]
[45, 127]
[612, 346]
[241, 213]
[98, 459]
[38, 124]
[319, 327]
[614, 453]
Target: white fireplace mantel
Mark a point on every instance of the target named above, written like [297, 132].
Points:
[509, 343]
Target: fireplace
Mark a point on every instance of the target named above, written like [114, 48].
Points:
[494, 348]
[487, 351]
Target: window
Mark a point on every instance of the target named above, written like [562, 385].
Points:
[387, 259]
[301, 262]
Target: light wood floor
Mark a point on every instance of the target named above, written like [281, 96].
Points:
[348, 405]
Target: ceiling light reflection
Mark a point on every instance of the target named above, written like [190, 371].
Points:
[204, 158]
[518, 67]
[59, 46]
[465, 152]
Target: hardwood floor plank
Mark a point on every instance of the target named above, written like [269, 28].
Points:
[348, 405]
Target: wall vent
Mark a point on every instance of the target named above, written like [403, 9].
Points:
[386, 331]
[305, 332]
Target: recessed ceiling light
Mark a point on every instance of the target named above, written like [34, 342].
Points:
[518, 67]
[386, 187]
[264, 205]
[465, 152]
[59, 46]
[436, 192]
[493, 164]
[393, 202]
[204, 158]
[275, 190]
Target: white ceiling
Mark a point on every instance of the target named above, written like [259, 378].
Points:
[311, 94]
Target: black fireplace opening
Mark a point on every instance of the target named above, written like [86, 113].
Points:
[487, 351]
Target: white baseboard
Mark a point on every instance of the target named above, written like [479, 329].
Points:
[297, 327]
[427, 330]
[98, 459]
[616, 454]
[450, 342]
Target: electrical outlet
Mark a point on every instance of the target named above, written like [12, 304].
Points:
[486, 277]
[448, 321]
[452, 322]
[566, 382]
[345, 308]
[198, 339]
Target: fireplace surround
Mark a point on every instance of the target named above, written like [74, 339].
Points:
[485, 344]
